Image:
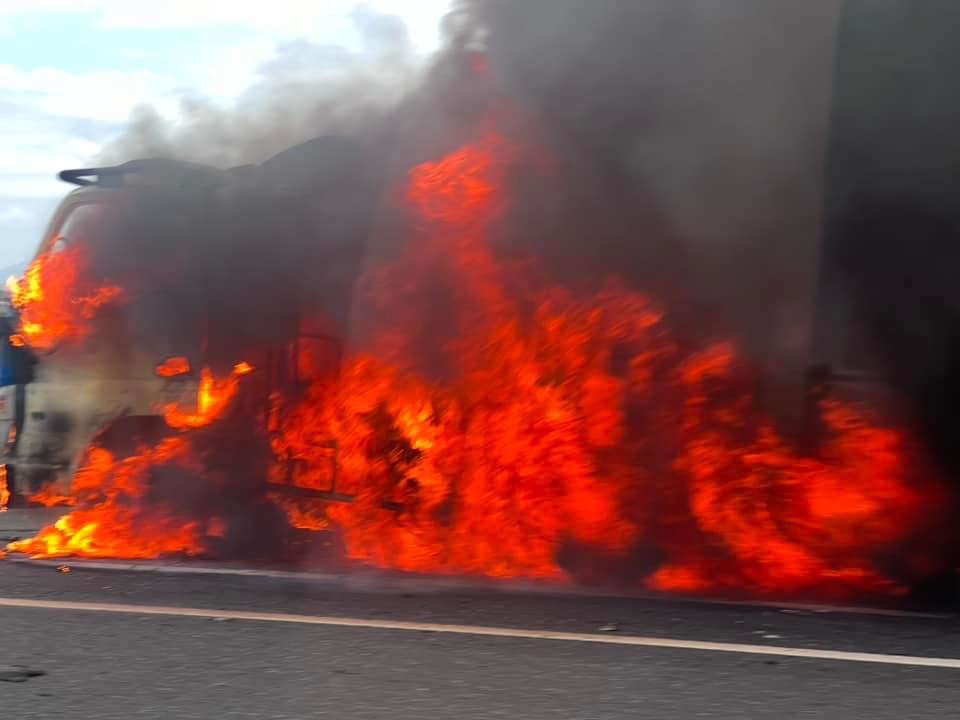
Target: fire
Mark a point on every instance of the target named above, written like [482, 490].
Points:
[57, 298]
[789, 522]
[4, 489]
[213, 397]
[118, 510]
[537, 442]
[50, 496]
[531, 425]
[174, 367]
[115, 515]
[243, 368]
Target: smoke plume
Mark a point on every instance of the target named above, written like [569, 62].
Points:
[693, 136]
[304, 91]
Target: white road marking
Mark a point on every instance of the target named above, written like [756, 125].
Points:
[483, 630]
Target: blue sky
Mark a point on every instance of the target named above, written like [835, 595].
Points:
[71, 71]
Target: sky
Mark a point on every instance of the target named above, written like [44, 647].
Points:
[71, 72]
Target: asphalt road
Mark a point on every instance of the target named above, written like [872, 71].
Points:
[133, 664]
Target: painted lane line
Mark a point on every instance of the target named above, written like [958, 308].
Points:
[482, 630]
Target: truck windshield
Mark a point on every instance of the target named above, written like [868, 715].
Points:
[79, 226]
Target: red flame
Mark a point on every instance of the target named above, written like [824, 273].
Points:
[4, 489]
[113, 518]
[561, 421]
[174, 367]
[529, 447]
[57, 298]
[213, 397]
[788, 521]
[50, 496]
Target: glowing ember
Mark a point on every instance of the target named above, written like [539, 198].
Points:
[57, 299]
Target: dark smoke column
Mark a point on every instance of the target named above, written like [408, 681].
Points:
[889, 300]
[693, 137]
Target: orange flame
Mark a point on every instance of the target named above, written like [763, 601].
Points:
[213, 397]
[113, 518]
[174, 367]
[561, 422]
[4, 489]
[50, 496]
[529, 448]
[243, 368]
[57, 298]
[788, 521]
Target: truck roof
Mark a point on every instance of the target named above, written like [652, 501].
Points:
[145, 171]
[324, 159]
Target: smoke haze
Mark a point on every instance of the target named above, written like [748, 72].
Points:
[306, 90]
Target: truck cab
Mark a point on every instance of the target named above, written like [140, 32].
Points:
[180, 270]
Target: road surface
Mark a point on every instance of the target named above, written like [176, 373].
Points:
[120, 644]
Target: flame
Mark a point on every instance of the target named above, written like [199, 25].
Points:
[213, 397]
[114, 515]
[530, 448]
[173, 367]
[303, 514]
[50, 496]
[57, 298]
[788, 521]
[554, 421]
[243, 368]
[4, 489]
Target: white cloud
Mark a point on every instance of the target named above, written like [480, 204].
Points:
[230, 71]
[13, 215]
[22, 220]
[284, 17]
[104, 95]
[35, 186]
[40, 135]
[42, 132]
[30, 161]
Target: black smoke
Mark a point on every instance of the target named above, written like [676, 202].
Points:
[893, 226]
[692, 139]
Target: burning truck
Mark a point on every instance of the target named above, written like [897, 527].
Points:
[126, 320]
[316, 361]
[491, 424]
